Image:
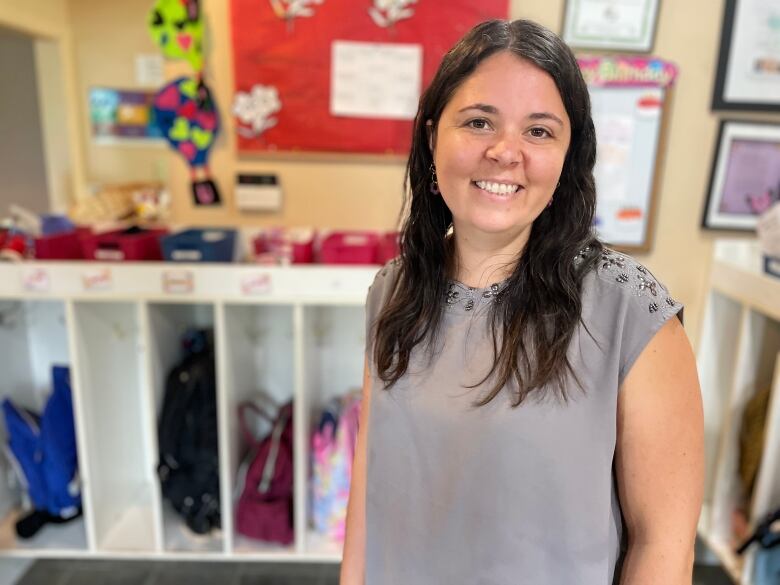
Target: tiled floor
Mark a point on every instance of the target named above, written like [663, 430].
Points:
[59, 572]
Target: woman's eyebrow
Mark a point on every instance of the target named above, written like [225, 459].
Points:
[482, 107]
[546, 116]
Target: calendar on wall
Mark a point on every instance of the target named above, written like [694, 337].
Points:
[339, 75]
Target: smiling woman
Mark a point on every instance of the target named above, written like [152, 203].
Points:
[519, 373]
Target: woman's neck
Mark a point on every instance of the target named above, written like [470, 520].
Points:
[481, 262]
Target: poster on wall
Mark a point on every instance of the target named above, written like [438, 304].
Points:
[339, 76]
[123, 117]
[628, 97]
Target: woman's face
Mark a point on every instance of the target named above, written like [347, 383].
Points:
[499, 148]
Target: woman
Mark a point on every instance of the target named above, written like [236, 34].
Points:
[531, 407]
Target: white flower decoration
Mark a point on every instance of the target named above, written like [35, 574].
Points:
[289, 9]
[255, 108]
[386, 13]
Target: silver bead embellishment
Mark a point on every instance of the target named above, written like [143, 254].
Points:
[646, 284]
[670, 301]
[654, 307]
[469, 304]
[622, 277]
[452, 295]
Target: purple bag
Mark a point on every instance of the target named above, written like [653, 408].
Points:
[265, 507]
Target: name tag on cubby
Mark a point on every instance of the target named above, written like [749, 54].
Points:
[96, 279]
[36, 280]
[256, 283]
[178, 281]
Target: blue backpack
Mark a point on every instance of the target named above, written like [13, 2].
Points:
[43, 451]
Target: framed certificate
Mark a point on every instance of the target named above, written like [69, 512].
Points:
[745, 178]
[748, 76]
[623, 25]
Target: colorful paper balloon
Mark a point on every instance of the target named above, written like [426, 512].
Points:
[189, 121]
[176, 27]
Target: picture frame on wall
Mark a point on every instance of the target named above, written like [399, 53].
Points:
[745, 177]
[748, 73]
[620, 25]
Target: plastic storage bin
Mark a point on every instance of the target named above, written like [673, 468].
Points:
[349, 248]
[61, 246]
[200, 245]
[388, 247]
[123, 245]
[280, 246]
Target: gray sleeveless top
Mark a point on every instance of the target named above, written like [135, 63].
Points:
[495, 495]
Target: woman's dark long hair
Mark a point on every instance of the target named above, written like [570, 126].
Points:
[541, 306]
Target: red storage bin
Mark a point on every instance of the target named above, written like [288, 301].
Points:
[123, 245]
[61, 246]
[349, 248]
[388, 247]
[280, 246]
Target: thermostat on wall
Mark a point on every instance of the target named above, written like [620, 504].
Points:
[258, 193]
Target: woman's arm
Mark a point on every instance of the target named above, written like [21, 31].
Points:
[353, 562]
[659, 460]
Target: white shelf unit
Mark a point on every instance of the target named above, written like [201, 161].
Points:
[739, 354]
[295, 333]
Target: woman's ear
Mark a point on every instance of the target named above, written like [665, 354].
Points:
[431, 135]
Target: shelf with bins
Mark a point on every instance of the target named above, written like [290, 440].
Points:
[296, 334]
[739, 355]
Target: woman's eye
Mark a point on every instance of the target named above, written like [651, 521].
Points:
[540, 133]
[478, 124]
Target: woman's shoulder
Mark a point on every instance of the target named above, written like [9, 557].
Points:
[618, 275]
[383, 283]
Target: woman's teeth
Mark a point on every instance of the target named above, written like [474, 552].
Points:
[497, 188]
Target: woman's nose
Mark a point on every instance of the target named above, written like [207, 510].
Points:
[507, 151]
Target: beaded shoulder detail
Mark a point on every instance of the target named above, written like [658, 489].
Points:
[630, 274]
[467, 298]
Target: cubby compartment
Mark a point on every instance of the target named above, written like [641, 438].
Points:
[33, 338]
[165, 327]
[333, 358]
[111, 401]
[716, 361]
[256, 346]
[754, 371]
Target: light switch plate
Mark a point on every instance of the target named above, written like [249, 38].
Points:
[258, 193]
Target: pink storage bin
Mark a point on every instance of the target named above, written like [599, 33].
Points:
[280, 246]
[388, 247]
[351, 247]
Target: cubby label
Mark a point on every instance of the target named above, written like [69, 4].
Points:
[256, 283]
[36, 280]
[96, 279]
[178, 281]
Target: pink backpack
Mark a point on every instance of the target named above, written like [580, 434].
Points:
[333, 449]
[265, 508]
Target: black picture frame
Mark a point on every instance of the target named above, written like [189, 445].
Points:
[714, 217]
[727, 38]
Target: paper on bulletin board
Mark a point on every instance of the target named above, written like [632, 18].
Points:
[628, 125]
[375, 80]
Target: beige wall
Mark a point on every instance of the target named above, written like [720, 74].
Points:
[108, 37]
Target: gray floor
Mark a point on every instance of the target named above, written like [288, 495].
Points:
[91, 572]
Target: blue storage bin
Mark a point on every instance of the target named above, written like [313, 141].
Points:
[200, 245]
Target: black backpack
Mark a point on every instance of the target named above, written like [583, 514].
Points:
[189, 460]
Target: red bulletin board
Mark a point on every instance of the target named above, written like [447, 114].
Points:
[294, 56]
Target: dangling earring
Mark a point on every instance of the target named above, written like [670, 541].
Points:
[434, 188]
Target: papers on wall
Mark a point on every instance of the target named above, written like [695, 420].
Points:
[375, 80]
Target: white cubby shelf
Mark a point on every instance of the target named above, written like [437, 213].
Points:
[739, 354]
[295, 333]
